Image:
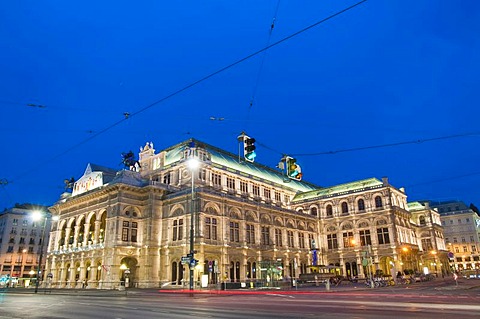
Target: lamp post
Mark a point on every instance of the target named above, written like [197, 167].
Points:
[193, 165]
[37, 215]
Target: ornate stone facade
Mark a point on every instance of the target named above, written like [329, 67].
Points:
[251, 224]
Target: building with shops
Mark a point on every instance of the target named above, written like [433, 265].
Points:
[461, 226]
[251, 224]
[21, 244]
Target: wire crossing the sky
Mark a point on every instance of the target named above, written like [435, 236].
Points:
[131, 115]
[388, 145]
[262, 62]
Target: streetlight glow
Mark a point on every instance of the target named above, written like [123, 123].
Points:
[193, 163]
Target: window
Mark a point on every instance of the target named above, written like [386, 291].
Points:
[178, 229]
[361, 204]
[290, 238]
[234, 232]
[329, 210]
[474, 248]
[265, 235]
[15, 222]
[267, 193]
[278, 196]
[25, 222]
[348, 240]
[382, 236]
[133, 237]
[457, 250]
[463, 239]
[427, 244]
[250, 234]
[202, 174]
[465, 249]
[378, 202]
[365, 238]
[422, 220]
[467, 220]
[10, 249]
[301, 240]
[166, 178]
[12, 240]
[243, 187]
[22, 240]
[332, 241]
[278, 237]
[344, 208]
[454, 239]
[451, 221]
[210, 228]
[314, 211]
[230, 183]
[125, 231]
[311, 241]
[459, 221]
[256, 190]
[472, 239]
[216, 179]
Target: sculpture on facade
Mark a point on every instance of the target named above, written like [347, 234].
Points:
[129, 161]
[69, 183]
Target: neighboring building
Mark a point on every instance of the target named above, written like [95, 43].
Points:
[462, 234]
[251, 224]
[20, 244]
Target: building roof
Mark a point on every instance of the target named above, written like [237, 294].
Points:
[341, 189]
[129, 178]
[227, 160]
[414, 206]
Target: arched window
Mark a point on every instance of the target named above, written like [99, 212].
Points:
[313, 211]
[361, 204]
[329, 210]
[344, 208]
[378, 202]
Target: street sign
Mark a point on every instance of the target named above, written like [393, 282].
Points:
[450, 255]
[186, 259]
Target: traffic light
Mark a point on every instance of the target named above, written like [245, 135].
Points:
[249, 146]
[294, 171]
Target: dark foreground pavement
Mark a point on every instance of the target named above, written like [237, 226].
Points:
[440, 284]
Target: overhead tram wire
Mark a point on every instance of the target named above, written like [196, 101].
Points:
[419, 141]
[262, 61]
[118, 122]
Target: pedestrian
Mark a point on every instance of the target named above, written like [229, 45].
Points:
[84, 284]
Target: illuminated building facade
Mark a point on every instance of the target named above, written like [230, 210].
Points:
[251, 223]
[20, 244]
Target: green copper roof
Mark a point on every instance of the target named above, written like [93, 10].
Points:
[339, 189]
[229, 161]
[413, 206]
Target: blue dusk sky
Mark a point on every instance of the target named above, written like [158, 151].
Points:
[347, 97]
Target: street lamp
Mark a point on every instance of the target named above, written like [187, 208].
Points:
[193, 166]
[36, 216]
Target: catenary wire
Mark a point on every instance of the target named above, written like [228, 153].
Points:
[118, 122]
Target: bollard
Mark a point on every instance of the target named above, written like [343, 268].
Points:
[327, 284]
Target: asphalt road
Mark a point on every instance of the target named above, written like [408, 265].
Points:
[433, 300]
